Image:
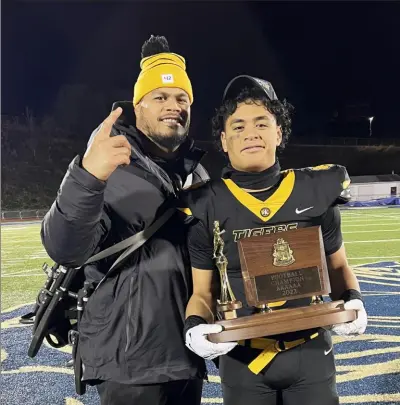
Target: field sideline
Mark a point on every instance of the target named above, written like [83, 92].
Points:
[370, 235]
[368, 367]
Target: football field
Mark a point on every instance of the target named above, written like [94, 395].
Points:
[368, 366]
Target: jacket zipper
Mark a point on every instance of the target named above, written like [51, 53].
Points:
[127, 327]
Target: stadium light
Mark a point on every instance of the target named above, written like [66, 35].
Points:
[370, 125]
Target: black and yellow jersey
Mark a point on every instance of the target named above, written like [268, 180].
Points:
[301, 198]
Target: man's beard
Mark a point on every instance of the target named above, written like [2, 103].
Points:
[169, 142]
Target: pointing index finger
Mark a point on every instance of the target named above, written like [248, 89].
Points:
[107, 124]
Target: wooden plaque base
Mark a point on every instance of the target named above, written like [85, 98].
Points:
[283, 321]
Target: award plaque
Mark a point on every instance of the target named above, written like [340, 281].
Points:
[279, 267]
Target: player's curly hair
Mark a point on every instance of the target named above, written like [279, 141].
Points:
[282, 111]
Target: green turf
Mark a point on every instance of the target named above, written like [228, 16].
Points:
[23, 255]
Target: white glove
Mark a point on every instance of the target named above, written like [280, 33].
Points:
[358, 326]
[196, 340]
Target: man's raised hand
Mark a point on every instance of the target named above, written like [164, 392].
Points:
[106, 152]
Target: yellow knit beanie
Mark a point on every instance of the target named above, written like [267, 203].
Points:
[162, 70]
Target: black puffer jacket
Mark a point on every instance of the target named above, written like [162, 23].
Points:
[131, 330]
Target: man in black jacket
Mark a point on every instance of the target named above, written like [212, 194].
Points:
[136, 163]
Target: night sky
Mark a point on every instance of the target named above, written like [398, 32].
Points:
[323, 57]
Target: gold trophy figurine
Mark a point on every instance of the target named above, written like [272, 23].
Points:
[227, 304]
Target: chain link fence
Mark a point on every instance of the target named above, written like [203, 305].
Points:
[23, 215]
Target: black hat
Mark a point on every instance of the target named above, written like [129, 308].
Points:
[239, 82]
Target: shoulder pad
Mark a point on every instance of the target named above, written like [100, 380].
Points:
[331, 179]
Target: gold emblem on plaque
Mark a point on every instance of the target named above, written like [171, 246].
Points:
[283, 255]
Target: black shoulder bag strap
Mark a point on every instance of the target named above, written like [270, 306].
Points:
[131, 244]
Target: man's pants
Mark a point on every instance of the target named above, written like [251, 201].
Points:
[304, 375]
[183, 392]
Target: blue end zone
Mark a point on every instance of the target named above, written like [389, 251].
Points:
[368, 367]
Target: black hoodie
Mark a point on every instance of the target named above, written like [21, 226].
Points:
[131, 329]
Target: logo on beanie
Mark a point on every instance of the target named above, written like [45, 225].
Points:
[167, 78]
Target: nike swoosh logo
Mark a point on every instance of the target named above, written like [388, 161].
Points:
[328, 351]
[300, 211]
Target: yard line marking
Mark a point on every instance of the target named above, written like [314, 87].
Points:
[377, 230]
[369, 220]
[13, 228]
[22, 275]
[375, 226]
[378, 283]
[374, 241]
[15, 307]
[24, 271]
[369, 214]
[375, 277]
[373, 223]
[379, 294]
[373, 257]
[376, 216]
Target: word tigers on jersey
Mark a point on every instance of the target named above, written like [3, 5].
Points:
[264, 230]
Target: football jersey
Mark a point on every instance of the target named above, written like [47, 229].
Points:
[301, 198]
